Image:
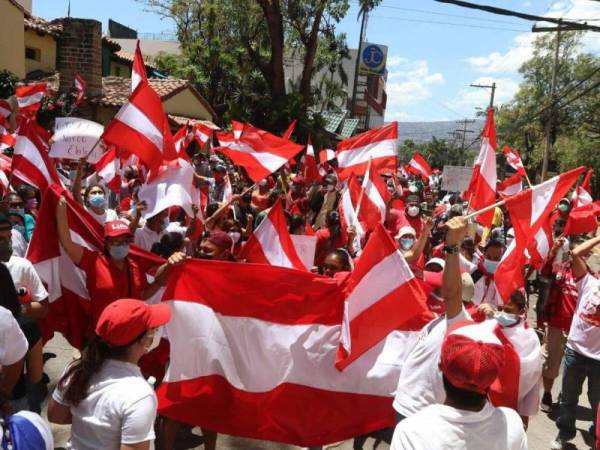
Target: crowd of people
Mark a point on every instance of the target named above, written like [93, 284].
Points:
[476, 375]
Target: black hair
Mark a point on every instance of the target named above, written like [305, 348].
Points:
[467, 242]
[24, 189]
[519, 299]
[247, 197]
[462, 397]
[9, 298]
[211, 208]
[494, 243]
[168, 244]
[76, 380]
[345, 257]
[296, 220]
[334, 224]
[90, 187]
[329, 179]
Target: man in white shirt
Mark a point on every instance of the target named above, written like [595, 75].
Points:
[471, 359]
[13, 347]
[582, 355]
[19, 244]
[152, 231]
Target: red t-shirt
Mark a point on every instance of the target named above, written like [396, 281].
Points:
[562, 301]
[324, 246]
[106, 283]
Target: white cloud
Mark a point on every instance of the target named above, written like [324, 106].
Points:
[527, 4]
[521, 50]
[395, 60]
[471, 97]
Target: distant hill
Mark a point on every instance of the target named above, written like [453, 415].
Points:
[421, 132]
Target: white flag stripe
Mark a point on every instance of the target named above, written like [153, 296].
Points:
[30, 99]
[134, 118]
[488, 164]
[541, 243]
[386, 276]
[417, 166]
[135, 80]
[257, 356]
[374, 195]
[29, 151]
[358, 155]
[540, 196]
[270, 161]
[267, 236]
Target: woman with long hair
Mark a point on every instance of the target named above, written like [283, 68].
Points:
[103, 394]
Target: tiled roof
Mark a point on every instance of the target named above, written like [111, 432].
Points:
[116, 89]
[121, 54]
[114, 45]
[42, 26]
[181, 121]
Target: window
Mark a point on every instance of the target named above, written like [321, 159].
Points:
[33, 53]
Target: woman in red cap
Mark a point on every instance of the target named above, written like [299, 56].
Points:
[103, 394]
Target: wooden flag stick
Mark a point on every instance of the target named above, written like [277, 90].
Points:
[528, 180]
[218, 212]
[93, 148]
[486, 209]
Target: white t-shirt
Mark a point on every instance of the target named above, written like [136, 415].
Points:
[443, 427]
[24, 275]
[584, 336]
[146, 238]
[13, 344]
[108, 216]
[120, 408]
[420, 382]
[19, 244]
[486, 293]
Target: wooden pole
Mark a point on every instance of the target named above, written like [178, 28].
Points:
[225, 205]
[486, 209]
[93, 148]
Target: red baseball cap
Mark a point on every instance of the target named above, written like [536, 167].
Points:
[125, 320]
[116, 228]
[472, 356]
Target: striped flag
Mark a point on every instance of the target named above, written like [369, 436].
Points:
[5, 108]
[510, 186]
[418, 165]
[79, 88]
[514, 160]
[108, 168]
[29, 98]
[138, 68]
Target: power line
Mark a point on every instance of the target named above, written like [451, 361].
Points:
[402, 19]
[423, 11]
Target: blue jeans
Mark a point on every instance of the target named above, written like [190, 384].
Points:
[576, 368]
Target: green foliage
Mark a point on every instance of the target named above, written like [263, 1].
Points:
[437, 152]
[8, 82]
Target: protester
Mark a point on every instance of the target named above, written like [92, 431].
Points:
[153, 229]
[260, 196]
[332, 237]
[337, 264]
[96, 204]
[483, 276]
[13, 348]
[582, 354]
[107, 379]
[16, 208]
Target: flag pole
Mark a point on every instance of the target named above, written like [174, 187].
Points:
[226, 204]
[486, 209]
[93, 148]
[528, 180]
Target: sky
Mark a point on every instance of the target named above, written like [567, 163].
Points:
[435, 50]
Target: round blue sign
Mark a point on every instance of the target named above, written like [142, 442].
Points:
[373, 58]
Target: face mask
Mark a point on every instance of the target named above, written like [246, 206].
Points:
[506, 319]
[563, 208]
[97, 200]
[490, 266]
[406, 243]
[329, 188]
[5, 250]
[118, 252]
[32, 203]
[16, 211]
[20, 229]
[235, 236]
[413, 211]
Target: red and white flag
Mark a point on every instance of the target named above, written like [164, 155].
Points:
[326, 155]
[30, 161]
[583, 194]
[29, 98]
[108, 168]
[7, 139]
[271, 242]
[482, 187]
[202, 134]
[418, 165]
[141, 127]
[309, 165]
[287, 134]
[374, 196]
[5, 168]
[138, 68]
[70, 308]
[539, 247]
[259, 152]
[510, 186]
[348, 209]
[266, 367]
[5, 108]
[79, 88]
[528, 211]
[382, 295]
[514, 160]
[353, 154]
[182, 139]
[583, 219]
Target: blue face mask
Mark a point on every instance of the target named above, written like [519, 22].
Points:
[506, 319]
[97, 200]
[490, 266]
[20, 229]
[406, 243]
[118, 252]
[16, 211]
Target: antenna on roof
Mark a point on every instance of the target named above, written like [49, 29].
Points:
[69, 9]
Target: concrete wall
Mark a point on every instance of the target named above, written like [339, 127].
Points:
[187, 104]
[12, 50]
[47, 52]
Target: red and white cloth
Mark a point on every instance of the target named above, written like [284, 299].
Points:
[482, 187]
[30, 161]
[353, 154]
[182, 139]
[348, 209]
[309, 165]
[7, 139]
[141, 127]
[202, 134]
[326, 155]
[270, 358]
[79, 88]
[540, 246]
[5, 108]
[287, 134]
[29, 98]
[418, 165]
[259, 152]
[108, 168]
[382, 295]
[138, 68]
[514, 160]
[510, 186]
[270, 243]
[582, 195]
[528, 211]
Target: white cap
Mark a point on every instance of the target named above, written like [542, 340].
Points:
[406, 230]
[438, 261]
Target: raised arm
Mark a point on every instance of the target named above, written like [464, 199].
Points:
[74, 250]
[452, 281]
[414, 253]
[579, 252]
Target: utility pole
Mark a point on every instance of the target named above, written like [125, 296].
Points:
[487, 86]
[363, 29]
[463, 132]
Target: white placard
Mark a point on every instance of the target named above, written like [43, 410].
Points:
[74, 138]
[305, 247]
[456, 178]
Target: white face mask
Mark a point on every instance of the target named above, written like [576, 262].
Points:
[490, 266]
[413, 211]
[235, 236]
[506, 319]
